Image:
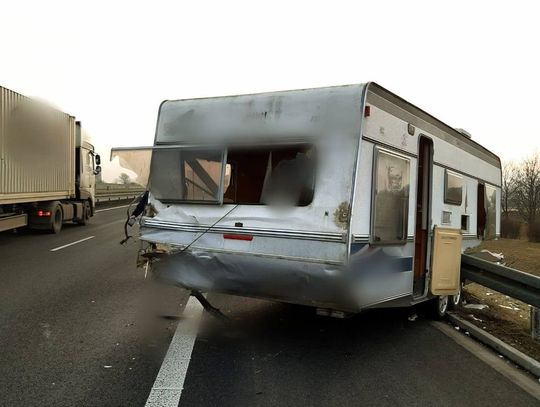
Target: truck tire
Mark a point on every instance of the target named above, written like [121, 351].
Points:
[87, 211]
[57, 219]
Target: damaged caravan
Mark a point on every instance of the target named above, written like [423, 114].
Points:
[341, 198]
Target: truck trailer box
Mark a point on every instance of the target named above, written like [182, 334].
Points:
[37, 151]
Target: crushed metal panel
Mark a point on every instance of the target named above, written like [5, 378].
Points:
[315, 284]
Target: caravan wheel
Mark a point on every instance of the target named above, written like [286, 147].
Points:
[439, 306]
[456, 299]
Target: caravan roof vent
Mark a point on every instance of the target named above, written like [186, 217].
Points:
[464, 132]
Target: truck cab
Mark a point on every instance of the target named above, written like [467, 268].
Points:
[87, 164]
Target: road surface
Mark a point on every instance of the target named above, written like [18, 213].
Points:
[80, 326]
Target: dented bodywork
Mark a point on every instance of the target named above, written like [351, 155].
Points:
[287, 252]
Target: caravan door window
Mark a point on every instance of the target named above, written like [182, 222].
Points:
[390, 203]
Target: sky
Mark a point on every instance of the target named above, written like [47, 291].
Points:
[474, 65]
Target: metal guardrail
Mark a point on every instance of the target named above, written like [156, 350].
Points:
[107, 196]
[514, 283]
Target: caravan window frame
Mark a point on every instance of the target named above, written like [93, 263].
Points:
[406, 205]
[273, 146]
[224, 151]
[218, 149]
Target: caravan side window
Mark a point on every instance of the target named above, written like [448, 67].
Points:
[390, 202]
[453, 188]
[491, 212]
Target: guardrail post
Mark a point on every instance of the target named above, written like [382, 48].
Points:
[535, 323]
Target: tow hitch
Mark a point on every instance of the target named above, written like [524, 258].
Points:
[215, 312]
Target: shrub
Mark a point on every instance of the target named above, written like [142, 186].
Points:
[510, 228]
[534, 232]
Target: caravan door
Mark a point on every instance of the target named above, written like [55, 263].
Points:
[422, 212]
[446, 261]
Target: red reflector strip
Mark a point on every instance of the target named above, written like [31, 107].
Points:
[239, 237]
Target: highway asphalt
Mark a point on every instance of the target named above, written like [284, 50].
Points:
[284, 355]
[79, 326]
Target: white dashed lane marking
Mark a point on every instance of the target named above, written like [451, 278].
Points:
[71, 244]
[110, 209]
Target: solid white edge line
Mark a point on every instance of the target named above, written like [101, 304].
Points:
[110, 209]
[169, 382]
[71, 244]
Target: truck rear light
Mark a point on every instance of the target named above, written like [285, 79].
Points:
[238, 237]
[43, 213]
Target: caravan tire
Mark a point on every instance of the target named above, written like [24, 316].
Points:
[455, 300]
[439, 306]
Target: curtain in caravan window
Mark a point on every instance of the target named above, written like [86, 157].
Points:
[390, 198]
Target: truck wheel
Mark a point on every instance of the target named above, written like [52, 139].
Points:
[57, 220]
[86, 214]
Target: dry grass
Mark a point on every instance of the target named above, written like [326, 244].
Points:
[518, 254]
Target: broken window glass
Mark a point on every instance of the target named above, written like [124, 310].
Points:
[267, 175]
[277, 175]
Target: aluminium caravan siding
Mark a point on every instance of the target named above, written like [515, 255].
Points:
[387, 128]
[34, 165]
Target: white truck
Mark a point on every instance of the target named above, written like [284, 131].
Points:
[47, 166]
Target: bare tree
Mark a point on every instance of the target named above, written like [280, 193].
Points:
[508, 188]
[124, 179]
[527, 191]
